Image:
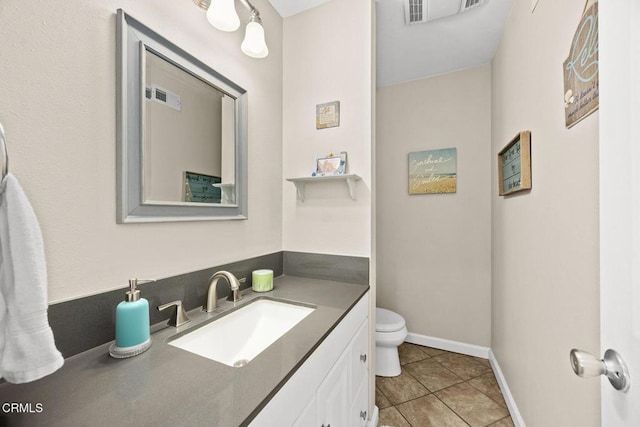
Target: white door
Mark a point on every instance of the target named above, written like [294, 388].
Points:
[620, 202]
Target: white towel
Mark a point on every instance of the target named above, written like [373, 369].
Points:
[27, 347]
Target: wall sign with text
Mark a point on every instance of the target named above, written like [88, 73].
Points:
[514, 165]
[433, 171]
[328, 115]
[581, 76]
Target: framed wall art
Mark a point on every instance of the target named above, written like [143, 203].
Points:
[433, 171]
[514, 165]
[581, 70]
[328, 115]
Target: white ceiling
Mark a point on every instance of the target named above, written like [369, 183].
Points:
[411, 52]
[291, 7]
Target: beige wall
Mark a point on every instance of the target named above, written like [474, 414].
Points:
[58, 108]
[545, 268]
[434, 251]
[328, 57]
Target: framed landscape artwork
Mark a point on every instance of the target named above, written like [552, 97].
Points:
[433, 171]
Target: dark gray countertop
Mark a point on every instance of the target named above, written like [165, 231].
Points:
[169, 386]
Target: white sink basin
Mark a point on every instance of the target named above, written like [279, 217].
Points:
[240, 336]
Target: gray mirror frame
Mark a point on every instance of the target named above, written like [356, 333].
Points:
[132, 38]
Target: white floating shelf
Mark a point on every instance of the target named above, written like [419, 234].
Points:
[351, 180]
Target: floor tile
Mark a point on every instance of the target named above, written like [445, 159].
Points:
[471, 405]
[433, 351]
[411, 353]
[390, 417]
[381, 400]
[429, 411]
[432, 374]
[401, 388]
[441, 389]
[505, 422]
[482, 361]
[463, 366]
[488, 385]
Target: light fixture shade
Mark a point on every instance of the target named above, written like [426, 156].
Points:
[253, 44]
[222, 15]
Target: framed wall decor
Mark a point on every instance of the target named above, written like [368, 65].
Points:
[514, 165]
[433, 171]
[581, 70]
[328, 115]
[331, 164]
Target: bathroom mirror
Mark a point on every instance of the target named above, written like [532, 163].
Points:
[181, 133]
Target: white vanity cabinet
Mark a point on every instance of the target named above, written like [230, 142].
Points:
[330, 388]
[358, 413]
[332, 396]
[342, 396]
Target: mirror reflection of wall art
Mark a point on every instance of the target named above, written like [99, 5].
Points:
[433, 171]
[328, 115]
[331, 164]
[202, 188]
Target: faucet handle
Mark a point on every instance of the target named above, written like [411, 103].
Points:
[179, 317]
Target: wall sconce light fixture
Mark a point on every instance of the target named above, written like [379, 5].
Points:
[223, 16]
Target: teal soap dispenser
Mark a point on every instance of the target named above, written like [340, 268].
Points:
[132, 324]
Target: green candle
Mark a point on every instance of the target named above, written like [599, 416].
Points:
[262, 280]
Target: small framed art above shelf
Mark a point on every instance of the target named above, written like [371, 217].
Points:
[351, 180]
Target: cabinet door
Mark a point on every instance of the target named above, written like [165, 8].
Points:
[358, 412]
[333, 395]
[359, 357]
[308, 416]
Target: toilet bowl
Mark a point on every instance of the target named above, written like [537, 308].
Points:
[391, 330]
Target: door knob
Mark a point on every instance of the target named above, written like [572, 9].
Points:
[587, 365]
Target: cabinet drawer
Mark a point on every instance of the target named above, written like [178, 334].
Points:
[359, 357]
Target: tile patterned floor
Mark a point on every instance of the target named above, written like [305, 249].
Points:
[441, 389]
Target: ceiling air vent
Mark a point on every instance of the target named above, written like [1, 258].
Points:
[414, 8]
[417, 11]
[468, 4]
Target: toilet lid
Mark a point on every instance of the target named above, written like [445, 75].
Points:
[388, 321]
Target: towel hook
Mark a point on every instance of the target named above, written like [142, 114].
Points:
[5, 163]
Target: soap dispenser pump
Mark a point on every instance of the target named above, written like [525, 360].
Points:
[132, 324]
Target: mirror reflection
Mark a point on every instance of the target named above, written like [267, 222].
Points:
[188, 149]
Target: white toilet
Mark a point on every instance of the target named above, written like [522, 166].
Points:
[391, 330]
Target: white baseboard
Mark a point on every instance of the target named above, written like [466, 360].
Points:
[454, 346]
[508, 397]
[373, 421]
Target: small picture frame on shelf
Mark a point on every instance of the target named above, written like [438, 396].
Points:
[331, 164]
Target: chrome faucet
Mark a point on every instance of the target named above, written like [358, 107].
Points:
[212, 298]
